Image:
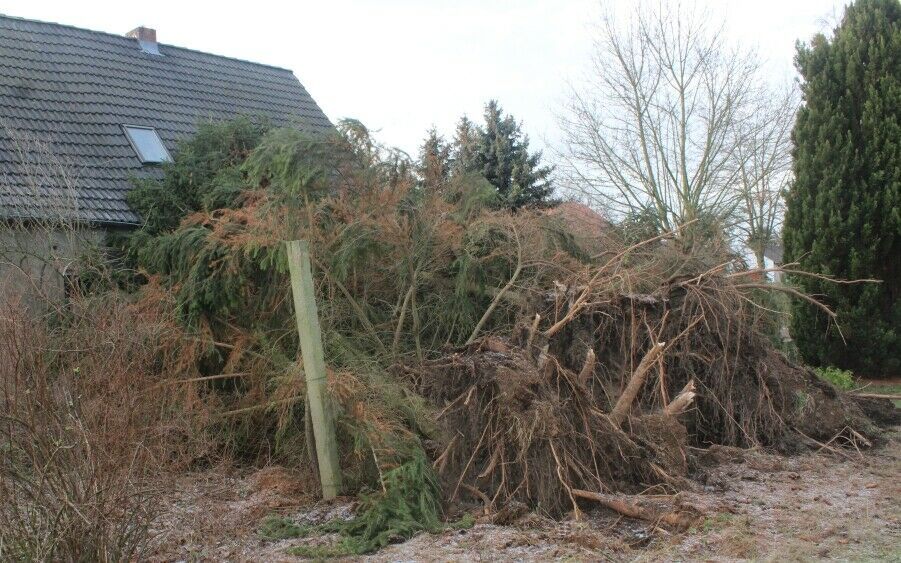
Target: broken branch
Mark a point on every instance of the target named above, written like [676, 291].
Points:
[587, 367]
[624, 403]
[679, 520]
[682, 400]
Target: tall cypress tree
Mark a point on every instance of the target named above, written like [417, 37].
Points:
[843, 213]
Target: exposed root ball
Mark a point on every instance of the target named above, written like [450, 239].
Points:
[522, 428]
[597, 401]
[747, 393]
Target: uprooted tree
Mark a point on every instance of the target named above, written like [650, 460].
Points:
[525, 366]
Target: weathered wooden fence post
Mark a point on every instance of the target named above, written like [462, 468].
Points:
[314, 366]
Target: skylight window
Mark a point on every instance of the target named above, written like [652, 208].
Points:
[147, 144]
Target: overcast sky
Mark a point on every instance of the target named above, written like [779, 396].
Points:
[401, 66]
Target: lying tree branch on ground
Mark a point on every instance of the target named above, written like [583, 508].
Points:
[678, 520]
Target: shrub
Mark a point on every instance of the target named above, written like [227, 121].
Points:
[88, 412]
[63, 497]
[841, 378]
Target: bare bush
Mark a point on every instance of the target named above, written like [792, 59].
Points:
[765, 172]
[89, 414]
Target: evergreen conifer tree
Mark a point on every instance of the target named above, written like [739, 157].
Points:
[434, 160]
[844, 208]
[499, 152]
[505, 161]
[466, 147]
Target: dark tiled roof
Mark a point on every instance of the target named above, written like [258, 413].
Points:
[66, 92]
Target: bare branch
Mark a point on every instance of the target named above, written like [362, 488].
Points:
[662, 125]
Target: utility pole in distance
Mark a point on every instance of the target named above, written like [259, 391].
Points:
[314, 366]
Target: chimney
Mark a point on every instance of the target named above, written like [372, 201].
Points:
[146, 39]
[143, 34]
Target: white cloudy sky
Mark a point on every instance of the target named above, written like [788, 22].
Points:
[401, 66]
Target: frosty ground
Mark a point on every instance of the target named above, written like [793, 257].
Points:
[839, 504]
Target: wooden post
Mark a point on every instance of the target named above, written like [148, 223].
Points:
[314, 366]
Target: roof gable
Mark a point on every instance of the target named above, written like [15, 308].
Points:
[65, 94]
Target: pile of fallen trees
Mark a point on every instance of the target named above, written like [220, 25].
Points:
[601, 391]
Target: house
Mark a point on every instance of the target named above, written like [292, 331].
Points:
[84, 113]
[772, 256]
[590, 229]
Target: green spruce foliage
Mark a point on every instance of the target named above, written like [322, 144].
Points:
[205, 174]
[498, 152]
[506, 162]
[434, 161]
[466, 147]
[408, 503]
[844, 210]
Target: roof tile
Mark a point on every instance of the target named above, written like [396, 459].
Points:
[65, 92]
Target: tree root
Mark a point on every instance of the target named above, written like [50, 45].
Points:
[682, 401]
[624, 403]
[675, 519]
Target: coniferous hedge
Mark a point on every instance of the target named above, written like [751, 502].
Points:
[844, 210]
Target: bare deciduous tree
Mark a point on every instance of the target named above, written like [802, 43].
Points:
[764, 160]
[657, 128]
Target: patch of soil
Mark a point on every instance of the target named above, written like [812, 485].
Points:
[214, 515]
[759, 505]
[818, 505]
